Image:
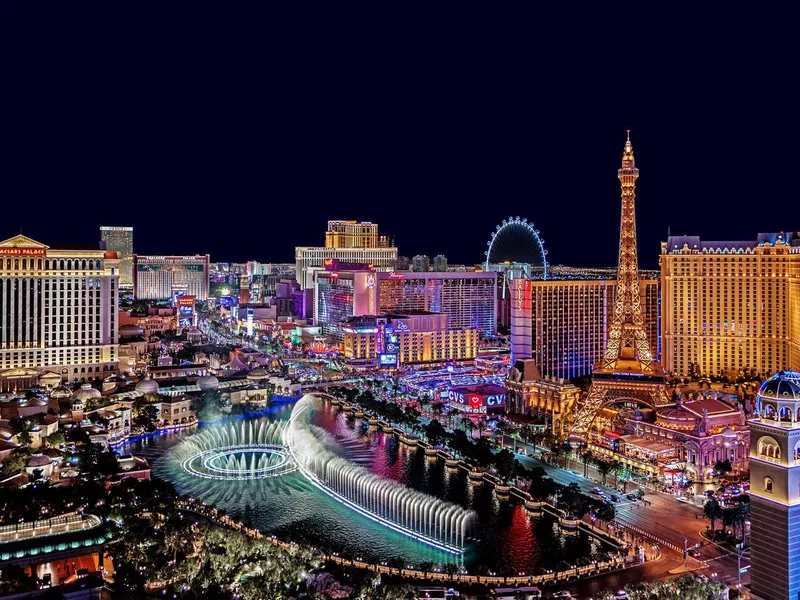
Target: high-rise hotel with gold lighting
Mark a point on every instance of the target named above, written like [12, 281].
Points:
[731, 307]
[563, 324]
[58, 312]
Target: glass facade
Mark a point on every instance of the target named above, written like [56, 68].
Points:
[468, 299]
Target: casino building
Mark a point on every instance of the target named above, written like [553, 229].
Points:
[348, 242]
[731, 307]
[468, 300]
[164, 277]
[58, 310]
[419, 337]
[562, 324]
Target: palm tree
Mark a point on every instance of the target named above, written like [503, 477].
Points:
[604, 467]
[586, 458]
[616, 467]
[712, 511]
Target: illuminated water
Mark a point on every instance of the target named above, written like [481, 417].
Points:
[505, 538]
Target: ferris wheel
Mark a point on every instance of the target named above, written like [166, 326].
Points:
[516, 240]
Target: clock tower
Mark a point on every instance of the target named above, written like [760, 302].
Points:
[775, 489]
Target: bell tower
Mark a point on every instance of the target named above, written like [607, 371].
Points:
[775, 489]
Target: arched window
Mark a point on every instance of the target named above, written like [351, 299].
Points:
[768, 448]
[768, 485]
[97, 265]
[768, 411]
[83, 265]
[785, 414]
[24, 263]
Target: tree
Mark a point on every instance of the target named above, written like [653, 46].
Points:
[147, 417]
[607, 513]
[713, 512]
[586, 458]
[723, 466]
[54, 440]
[506, 465]
[435, 432]
[15, 461]
[604, 467]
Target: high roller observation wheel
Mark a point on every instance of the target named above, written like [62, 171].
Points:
[514, 222]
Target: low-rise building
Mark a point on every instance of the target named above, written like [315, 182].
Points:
[684, 442]
[411, 337]
[176, 411]
[548, 399]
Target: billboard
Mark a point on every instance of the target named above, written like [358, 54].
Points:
[476, 401]
[185, 306]
[387, 360]
[183, 268]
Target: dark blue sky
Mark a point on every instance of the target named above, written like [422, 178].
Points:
[241, 135]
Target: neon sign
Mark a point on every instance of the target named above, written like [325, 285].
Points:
[23, 252]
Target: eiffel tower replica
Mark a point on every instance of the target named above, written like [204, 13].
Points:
[627, 373]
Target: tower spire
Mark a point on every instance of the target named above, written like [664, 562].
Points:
[627, 369]
[627, 154]
[627, 338]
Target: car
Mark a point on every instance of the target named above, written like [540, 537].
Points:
[632, 497]
[614, 498]
[598, 490]
[562, 594]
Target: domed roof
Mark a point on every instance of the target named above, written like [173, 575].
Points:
[728, 433]
[38, 460]
[147, 386]
[61, 392]
[675, 413]
[208, 382]
[86, 393]
[784, 385]
[258, 373]
[34, 401]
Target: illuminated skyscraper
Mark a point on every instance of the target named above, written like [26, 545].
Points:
[120, 240]
[352, 234]
[440, 263]
[421, 264]
[469, 300]
[163, 277]
[346, 242]
[731, 307]
[563, 324]
[58, 310]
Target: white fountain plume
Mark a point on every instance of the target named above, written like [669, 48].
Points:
[417, 515]
[236, 451]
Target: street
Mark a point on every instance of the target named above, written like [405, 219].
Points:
[663, 519]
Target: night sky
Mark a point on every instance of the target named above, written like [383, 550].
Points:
[241, 135]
